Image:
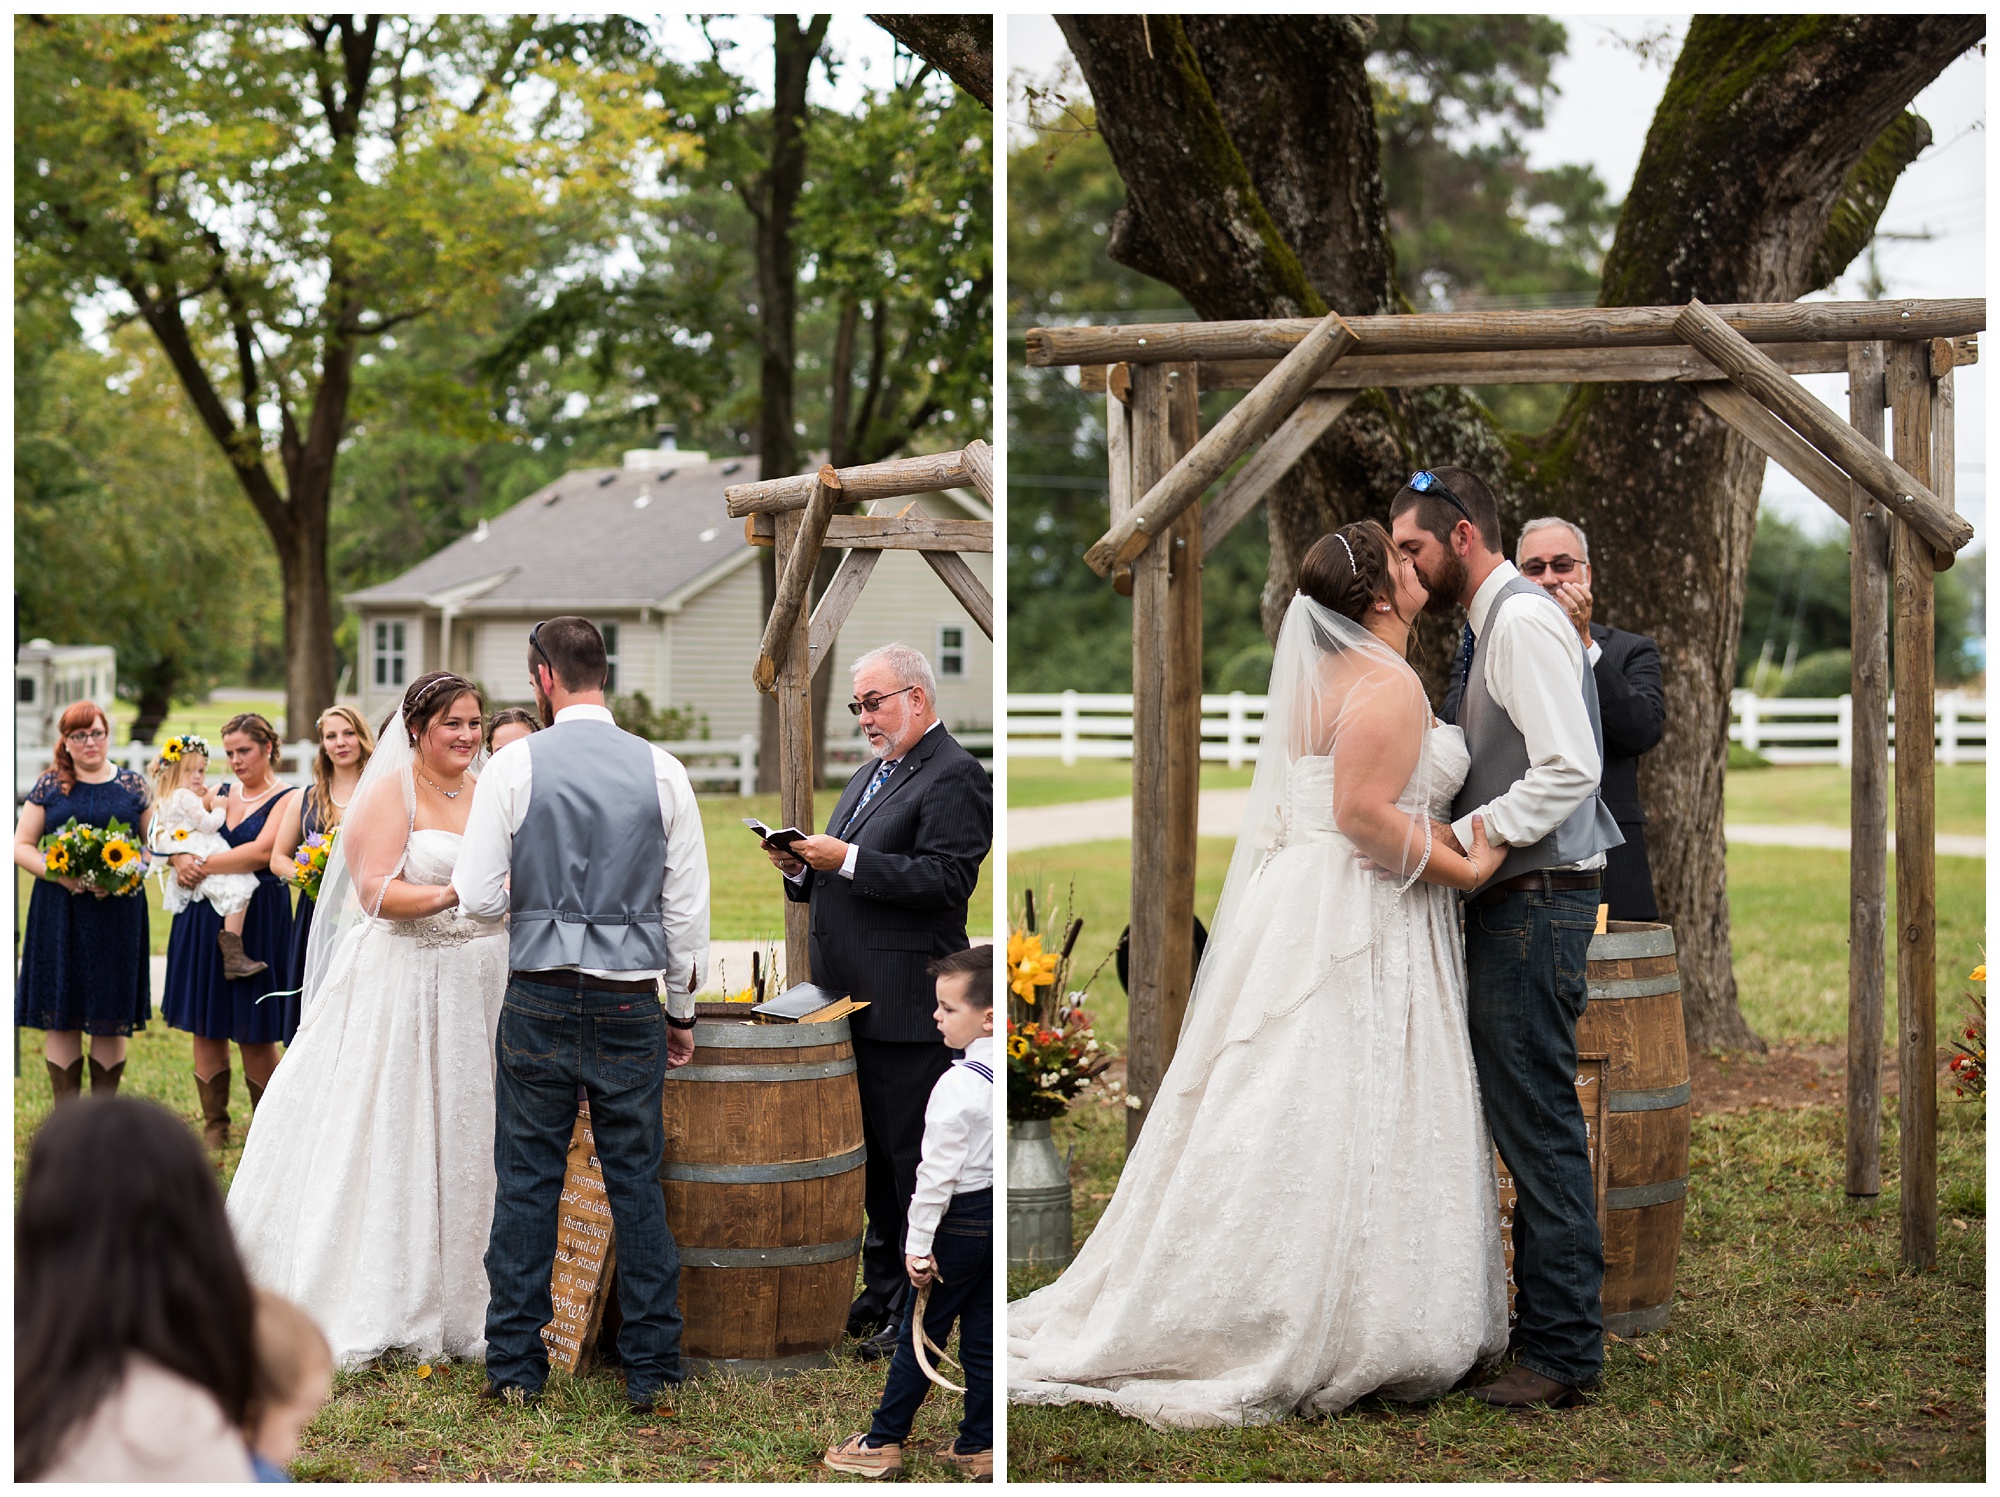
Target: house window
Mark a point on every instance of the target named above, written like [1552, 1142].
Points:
[390, 660]
[610, 633]
[24, 689]
[951, 652]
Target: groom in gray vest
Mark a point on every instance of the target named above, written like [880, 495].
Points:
[589, 841]
[1528, 705]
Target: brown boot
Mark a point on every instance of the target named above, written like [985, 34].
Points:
[104, 1079]
[235, 965]
[256, 1092]
[65, 1081]
[214, 1094]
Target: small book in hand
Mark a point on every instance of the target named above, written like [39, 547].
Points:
[781, 839]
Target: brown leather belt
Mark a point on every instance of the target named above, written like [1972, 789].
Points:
[569, 977]
[1544, 881]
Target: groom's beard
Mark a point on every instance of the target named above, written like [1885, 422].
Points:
[543, 709]
[1446, 585]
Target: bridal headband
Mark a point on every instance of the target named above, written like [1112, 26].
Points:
[1352, 565]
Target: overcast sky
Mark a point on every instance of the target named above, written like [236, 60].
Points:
[1606, 97]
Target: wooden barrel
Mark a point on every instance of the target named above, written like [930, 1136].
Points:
[763, 1182]
[1634, 1018]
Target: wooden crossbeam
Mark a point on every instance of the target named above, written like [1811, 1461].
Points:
[886, 533]
[1284, 447]
[796, 580]
[1779, 442]
[1890, 482]
[979, 468]
[1461, 332]
[965, 586]
[1528, 366]
[1252, 419]
[836, 603]
[893, 479]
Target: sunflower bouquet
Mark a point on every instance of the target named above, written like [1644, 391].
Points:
[104, 858]
[1053, 1054]
[309, 862]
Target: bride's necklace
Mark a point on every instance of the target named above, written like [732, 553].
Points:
[447, 794]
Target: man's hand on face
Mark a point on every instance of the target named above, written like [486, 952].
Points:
[1576, 603]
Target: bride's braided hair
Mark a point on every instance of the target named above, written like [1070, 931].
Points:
[430, 697]
[1350, 569]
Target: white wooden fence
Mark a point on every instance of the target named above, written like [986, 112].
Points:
[1074, 725]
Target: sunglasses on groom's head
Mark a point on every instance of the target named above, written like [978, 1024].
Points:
[1427, 483]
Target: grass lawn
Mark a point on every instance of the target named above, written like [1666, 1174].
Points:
[1789, 794]
[393, 1425]
[1797, 1350]
[1049, 782]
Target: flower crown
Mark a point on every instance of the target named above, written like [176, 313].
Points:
[187, 743]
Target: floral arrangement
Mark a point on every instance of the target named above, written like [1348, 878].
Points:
[1053, 1055]
[175, 749]
[106, 859]
[309, 862]
[1968, 1067]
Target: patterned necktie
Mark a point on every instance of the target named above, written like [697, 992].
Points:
[1462, 672]
[867, 795]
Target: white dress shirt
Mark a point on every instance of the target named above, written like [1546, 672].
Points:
[846, 869]
[1532, 650]
[499, 805]
[958, 1144]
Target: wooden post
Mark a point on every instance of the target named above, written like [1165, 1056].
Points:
[1910, 391]
[793, 688]
[1118, 449]
[795, 581]
[1868, 804]
[1150, 1037]
[1182, 543]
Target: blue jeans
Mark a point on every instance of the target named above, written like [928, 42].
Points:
[553, 1039]
[1525, 959]
[963, 1253]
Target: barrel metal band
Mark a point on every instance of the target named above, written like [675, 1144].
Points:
[1635, 987]
[763, 1174]
[772, 1257]
[812, 1071]
[1657, 1101]
[1629, 945]
[715, 1034]
[1631, 1323]
[1631, 1197]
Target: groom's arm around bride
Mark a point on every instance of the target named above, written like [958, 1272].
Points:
[590, 841]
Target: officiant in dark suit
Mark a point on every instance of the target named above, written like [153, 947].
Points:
[1555, 554]
[888, 884]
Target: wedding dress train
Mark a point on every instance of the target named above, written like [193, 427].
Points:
[1310, 1213]
[365, 1193]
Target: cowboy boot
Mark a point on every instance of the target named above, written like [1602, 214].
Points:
[256, 1091]
[104, 1079]
[235, 965]
[65, 1081]
[214, 1094]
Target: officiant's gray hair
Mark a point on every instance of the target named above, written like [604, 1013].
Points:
[1582, 544]
[907, 664]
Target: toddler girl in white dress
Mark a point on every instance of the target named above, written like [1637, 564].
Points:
[189, 817]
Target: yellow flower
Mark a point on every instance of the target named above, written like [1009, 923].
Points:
[748, 995]
[171, 754]
[181, 834]
[1979, 973]
[1028, 966]
[58, 859]
[118, 852]
[1018, 1047]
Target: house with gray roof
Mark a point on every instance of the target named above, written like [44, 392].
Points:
[648, 552]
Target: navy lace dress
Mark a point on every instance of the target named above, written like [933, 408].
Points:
[198, 998]
[302, 914]
[84, 959]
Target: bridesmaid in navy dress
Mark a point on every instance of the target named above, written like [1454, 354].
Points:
[198, 997]
[84, 957]
[345, 745]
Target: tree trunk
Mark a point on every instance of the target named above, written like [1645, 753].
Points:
[1767, 165]
[959, 46]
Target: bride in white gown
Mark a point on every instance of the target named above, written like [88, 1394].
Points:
[366, 1188]
[1310, 1213]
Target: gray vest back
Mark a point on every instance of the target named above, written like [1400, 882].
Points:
[1500, 759]
[590, 855]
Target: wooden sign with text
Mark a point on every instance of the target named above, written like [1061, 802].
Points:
[586, 1253]
[1595, 1097]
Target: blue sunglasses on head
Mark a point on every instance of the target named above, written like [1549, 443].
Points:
[1425, 482]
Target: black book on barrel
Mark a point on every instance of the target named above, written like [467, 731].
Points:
[803, 1003]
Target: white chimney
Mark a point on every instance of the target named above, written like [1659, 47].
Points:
[665, 457]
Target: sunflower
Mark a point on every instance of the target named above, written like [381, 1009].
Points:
[58, 860]
[171, 754]
[1028, 966]
[180, 834]
[118, 853]
[1978, 973]
[1017, 1046]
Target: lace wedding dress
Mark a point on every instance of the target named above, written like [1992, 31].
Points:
[366, 1188]
[1310, 1214]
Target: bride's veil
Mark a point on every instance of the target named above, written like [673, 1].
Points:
[367, 854]
[1336, 692]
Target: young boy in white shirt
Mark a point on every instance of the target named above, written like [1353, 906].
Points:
[950, 1241]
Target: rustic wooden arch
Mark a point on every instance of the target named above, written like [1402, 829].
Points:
[1739, 361]
[796, 516]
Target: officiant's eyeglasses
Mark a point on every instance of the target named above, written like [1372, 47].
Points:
[1426, 482]
[1562, 566]
[873, 703]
